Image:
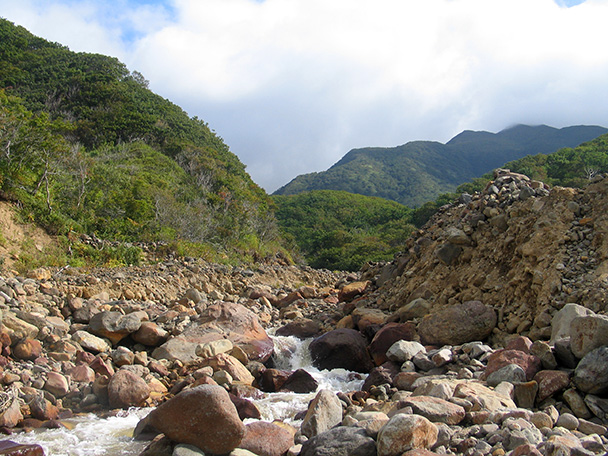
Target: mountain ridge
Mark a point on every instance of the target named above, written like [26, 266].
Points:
[418, 171]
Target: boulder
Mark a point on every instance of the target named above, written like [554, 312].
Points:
[387, 336]
[272, 380]
[202, 416]
[340, 441]
[405, 432]
[587, 333]
[90, 342]
[404, 350]
[560, 324]
[349, 291]
[512, 373]
[114, 325]
[435, 409]
[591, 374]
[266, 439]
[150, 334]
[417, 308]
[550, 382]
[458, 324]
[28, 349]
[324, 412]
[231, 365]
[302, 328]
[300, 382]
[213, 348]
[221, 320]
[245, 408]
[10, 412]
[10, 448]
[501, 358]
[57, 384]
[345, 348]
[126, 389]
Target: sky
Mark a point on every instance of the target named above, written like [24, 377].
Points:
[293, 85]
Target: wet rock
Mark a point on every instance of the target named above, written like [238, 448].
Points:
[345, 348]
[405, 432]
[324, 412]
[203, 407]
[10, 448]
[302, 328]
[591, 374]
[245, 408]
[126, 389]
[300, 381]
[458, 324]
[272, 380]
[340, 441]
[266, 439]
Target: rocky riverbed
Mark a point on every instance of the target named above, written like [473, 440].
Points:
[487, 336]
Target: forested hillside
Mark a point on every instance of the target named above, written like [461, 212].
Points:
[419, 171]
[86, 147]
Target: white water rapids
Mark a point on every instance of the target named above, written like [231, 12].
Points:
[89, 435]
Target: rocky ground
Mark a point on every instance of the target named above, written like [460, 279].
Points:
[487, 336]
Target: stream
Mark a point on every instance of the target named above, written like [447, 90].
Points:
[90, 435]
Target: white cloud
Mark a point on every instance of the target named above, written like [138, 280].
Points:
[292, 85]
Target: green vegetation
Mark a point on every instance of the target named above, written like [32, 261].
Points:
[340, 230]
[420, 171]
[85, 147]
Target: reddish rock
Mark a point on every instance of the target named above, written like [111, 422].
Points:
[302, 328]
[150, 334]
[406, 432]
[521, 343]
[82, 373]
[272, 380]
[458, 324]
[266, 439]
[245, 408]
[348, 292]
[550, 382]
[405, 380]
[300, 381]
[11, 415]
[126, 389]
[202, 416]
[224, 320]
[57, 384]
[387, 336]
[10, 448]
[290, 298]
[28, 349]
[435, 409]
[500, 358]
[345, 348]
[102, 367]
[43, 410]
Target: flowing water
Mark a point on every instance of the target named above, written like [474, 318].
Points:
[90, 435]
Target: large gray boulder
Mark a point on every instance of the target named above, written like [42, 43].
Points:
[340, 441]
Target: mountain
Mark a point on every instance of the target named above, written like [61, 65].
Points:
[419, 171]
[86, 147]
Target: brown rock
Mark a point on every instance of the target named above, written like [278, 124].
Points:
[348, 292]
[302, 328]
[150, 334]
[28, 349]
[387, 336]
[550, 382]
[245, 408]
[406, 432]
[82, 373]
[126, 389]
[501, 358]
[345, 348]
[43, 410]
[230, 364]
[520, 343]
[202, 416]
[10, 415]
[435, 409]
[458, 324]
[271, 380]
[57, 384]
[404, 380]
[266, 439]
[10, 448]
[222, 320]
[300, 381]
